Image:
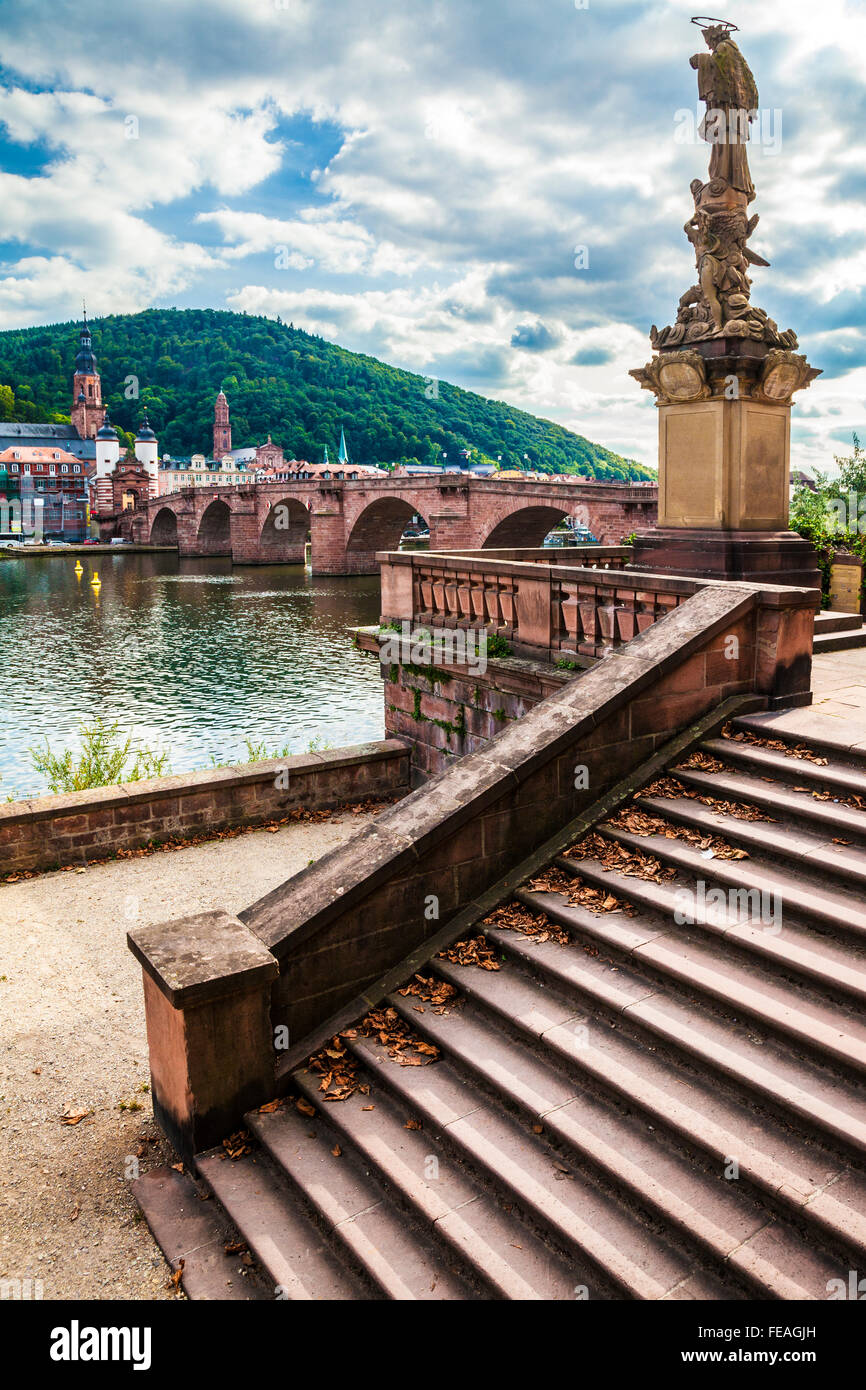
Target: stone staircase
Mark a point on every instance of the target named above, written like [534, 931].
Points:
[640, 1078]
[836, 632]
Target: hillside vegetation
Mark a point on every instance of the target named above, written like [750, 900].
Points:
[281, 380]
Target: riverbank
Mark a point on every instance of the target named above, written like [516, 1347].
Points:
[74, 1044]
[43, 552]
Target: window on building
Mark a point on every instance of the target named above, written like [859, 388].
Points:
[15, 468]
[64, 467]
[76, 467]
[52, 469]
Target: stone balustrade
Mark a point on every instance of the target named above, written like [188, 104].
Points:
[548, 604]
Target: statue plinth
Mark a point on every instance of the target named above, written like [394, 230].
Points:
[724, 463]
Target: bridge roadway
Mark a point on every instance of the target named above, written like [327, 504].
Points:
[349, 520]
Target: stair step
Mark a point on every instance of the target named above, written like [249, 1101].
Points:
[828, 620]
[694, 1109]
[806, 935]
[284, 1241]
[838, 641]
[841, 739]
[505, 1258]
[631, 1257]
[760, 1065]
[187, 1228]
[781, 840]
[713, 1215]
[841, 781]
[836, 1036]
[345, 1198]
[845, 822]
[820, 959]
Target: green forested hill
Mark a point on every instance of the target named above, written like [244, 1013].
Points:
[281, 380]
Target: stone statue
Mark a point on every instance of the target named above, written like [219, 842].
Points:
[726, 84]
[719, 305]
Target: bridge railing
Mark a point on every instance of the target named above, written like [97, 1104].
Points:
[545, 608]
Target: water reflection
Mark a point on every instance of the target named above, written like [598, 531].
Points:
[189, 655]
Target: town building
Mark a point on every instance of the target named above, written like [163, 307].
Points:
[50, 465]
[119, 484]
[45, 488]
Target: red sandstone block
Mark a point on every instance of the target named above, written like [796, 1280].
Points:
[199, 801]
[614, 729]
[743, 629]
[137, 814]
[721, 668]
[68, 825]
[672, 713]
[689, 675]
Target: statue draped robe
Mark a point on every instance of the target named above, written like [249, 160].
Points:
[726, 84]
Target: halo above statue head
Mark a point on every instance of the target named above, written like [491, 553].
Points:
[705, 21]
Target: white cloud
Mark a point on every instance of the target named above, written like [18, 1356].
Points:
[474, 148]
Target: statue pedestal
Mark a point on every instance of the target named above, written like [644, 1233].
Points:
[762, 557]
[724, 469]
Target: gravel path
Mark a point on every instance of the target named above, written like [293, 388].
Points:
[72, 1038]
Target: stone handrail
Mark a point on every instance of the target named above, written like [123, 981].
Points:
[582, 607]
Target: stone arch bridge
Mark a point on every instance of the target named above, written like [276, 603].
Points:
[349, 520]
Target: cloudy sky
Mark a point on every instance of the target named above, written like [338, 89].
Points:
[491, 192]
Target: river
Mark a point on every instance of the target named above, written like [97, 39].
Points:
[188, 656]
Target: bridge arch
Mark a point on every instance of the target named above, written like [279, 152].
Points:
[215, 529]
[283, 536]
[527, 526]
[378, 527]
[164, 528]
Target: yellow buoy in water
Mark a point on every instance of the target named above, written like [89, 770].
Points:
[79, 568]
[96, 582]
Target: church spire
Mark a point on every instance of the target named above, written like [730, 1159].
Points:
[87, 411]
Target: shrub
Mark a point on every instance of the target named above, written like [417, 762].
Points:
[103, 760]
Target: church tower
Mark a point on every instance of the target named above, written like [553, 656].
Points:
[222, 430]
[88, 412]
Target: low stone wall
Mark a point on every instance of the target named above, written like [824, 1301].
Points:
[339, 925]
[445, 712]
[53, 831]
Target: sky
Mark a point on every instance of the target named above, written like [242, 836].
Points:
[488, 192]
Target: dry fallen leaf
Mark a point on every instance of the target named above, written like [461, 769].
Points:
[73, 1117]
[178, 1274]
[337, 1151]
[305, 1107]
[413, 1124]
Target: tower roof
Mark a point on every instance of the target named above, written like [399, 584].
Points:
[145, 432]
[107, 431]
[84, 359]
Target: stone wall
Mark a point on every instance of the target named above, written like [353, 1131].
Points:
[444, 712]
[52, 831]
